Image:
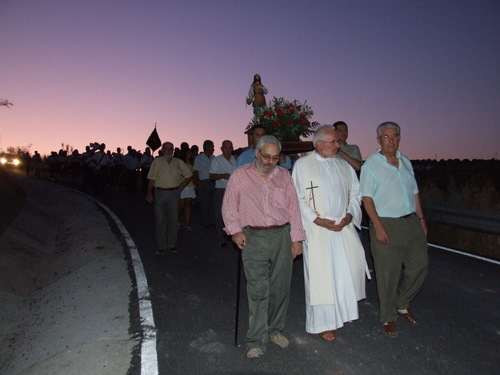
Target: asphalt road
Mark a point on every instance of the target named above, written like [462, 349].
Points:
[194, 298]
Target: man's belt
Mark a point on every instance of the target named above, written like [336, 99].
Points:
[267, 228]
[405, 216]
[168, 189]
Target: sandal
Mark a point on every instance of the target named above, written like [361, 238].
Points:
[409, 317]
[390, 329]
[328, 335]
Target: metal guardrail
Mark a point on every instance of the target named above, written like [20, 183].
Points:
[486, 222]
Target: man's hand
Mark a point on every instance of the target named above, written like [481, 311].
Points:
[325, 223]
[424, 226]
[297, 249]
[240, 240]
[332, 224]
[381, 233]
[149, 197]
[345, 221]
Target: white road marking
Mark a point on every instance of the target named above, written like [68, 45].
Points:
[149, 355]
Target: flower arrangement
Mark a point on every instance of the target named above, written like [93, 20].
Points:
[287, 121]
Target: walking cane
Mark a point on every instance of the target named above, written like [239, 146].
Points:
[238, 283]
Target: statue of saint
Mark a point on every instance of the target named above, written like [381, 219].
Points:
[256, 94]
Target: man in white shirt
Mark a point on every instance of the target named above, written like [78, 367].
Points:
[221, 168]
[204, 186]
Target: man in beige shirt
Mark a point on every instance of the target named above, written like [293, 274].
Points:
[167, 177]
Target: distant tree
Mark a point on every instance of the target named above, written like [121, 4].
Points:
[5, 102]
[19, 150]
[67, 147]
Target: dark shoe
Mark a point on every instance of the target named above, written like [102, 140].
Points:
[390, 329]
[173, 250]
[409, 317]
[160, 252]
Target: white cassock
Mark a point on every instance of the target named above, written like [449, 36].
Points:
[334, 262]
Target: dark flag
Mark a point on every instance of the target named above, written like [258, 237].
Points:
[154, 141]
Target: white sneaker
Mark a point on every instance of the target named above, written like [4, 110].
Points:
[280, 340]
[255, 353]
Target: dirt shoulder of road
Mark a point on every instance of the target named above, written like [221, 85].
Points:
[64, 284]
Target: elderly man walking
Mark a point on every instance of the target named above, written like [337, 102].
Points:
[397, 229]
[334, 258]
[261, 212]
[167, 177]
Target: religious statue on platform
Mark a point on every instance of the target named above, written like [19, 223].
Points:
[256, 94]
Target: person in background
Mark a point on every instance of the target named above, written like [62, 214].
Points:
[27, 163]
[131, 165]
[37, 164]
[74, 162]
[248, 156]
[205, 187]
[188, 193]
[350, 153]
[145, 161]
[52, 161]
[221, 169]
[194, 151]
[100, 163]
[167, 177]
[398, 232]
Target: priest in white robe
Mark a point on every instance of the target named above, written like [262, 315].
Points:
[334, 258]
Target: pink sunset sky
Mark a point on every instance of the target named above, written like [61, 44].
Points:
[107, 71]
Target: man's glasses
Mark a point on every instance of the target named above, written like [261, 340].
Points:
[332, 142]
[386, 137]
[269, 157]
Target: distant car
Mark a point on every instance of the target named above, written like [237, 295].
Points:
[9, 159]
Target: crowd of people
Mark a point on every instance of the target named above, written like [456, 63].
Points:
[275, 208]
[95, 168]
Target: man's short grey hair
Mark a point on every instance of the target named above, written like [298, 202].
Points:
[387, 124]
[319, 134]
[268, 139]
